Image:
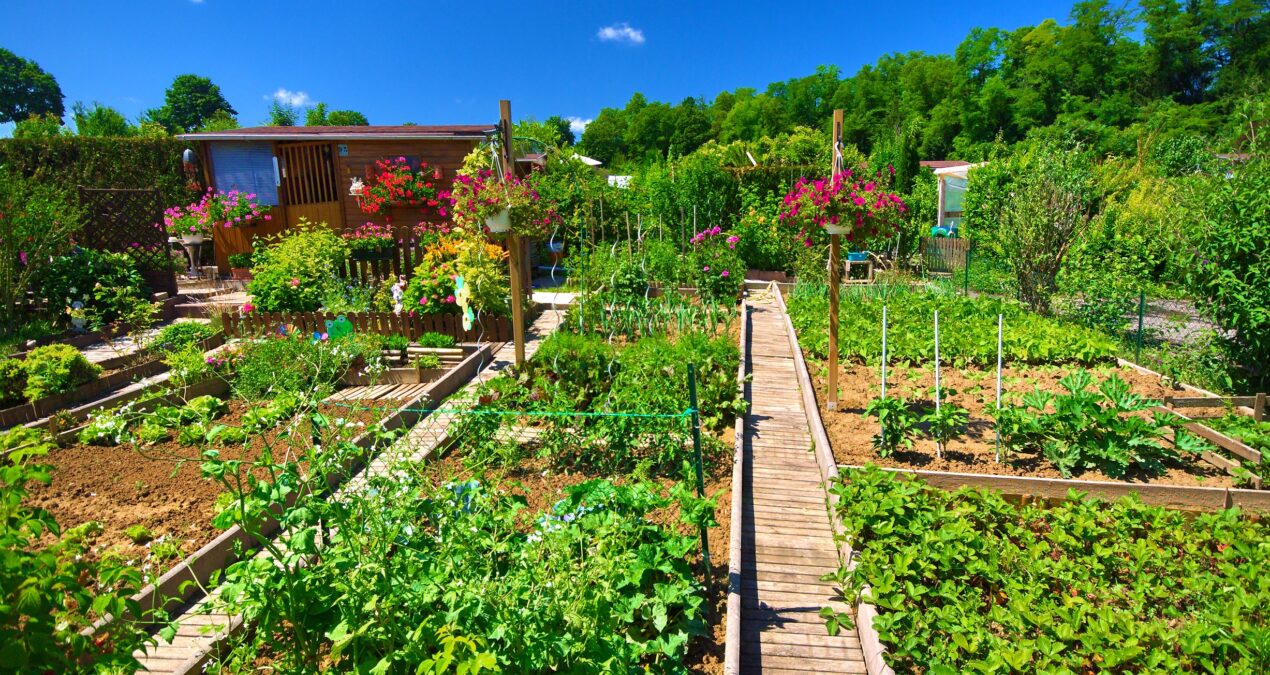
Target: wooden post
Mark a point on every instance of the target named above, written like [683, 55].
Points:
[1259, 408]
[513, 240]
[835, 270]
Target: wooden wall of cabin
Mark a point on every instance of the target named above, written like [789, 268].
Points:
[444, 154]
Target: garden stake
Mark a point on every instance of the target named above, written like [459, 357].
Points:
[1142, 310]
[939, 445]
[883, 424]
[696, 458]
[994, 426]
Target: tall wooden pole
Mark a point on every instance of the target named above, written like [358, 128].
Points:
[835, 269]
[513, 240]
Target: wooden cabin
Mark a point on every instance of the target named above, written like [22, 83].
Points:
[307, 171]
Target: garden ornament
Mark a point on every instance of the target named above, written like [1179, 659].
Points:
[398, 292]
[463, 298]
[340, 328]
[357, 188]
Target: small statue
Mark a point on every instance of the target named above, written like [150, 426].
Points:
[398, 293]
[357, 188]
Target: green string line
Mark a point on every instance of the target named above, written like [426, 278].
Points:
[519, 413]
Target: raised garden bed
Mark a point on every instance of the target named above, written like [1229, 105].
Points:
[1036, 360]
[966, 581]
[99, 388]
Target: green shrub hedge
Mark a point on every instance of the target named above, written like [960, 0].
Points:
[56, 369]
[102, 163]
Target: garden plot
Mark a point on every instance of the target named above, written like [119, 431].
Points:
[577, 471]
[966, 582]
[1066, 409]
[146, 499]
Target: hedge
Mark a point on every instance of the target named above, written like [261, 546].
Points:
[102, 163]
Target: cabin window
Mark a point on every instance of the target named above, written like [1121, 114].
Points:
[246, 167]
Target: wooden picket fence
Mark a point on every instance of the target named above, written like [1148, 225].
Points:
[484, 329]
[942, 255]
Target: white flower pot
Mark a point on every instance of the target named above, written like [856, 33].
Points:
[191, 239]
[837, 229]
[500, 222]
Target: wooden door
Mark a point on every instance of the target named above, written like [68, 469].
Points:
[310, 186]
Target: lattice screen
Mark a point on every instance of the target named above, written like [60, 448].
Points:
[129, 221]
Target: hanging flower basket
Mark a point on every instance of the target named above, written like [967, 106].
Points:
[844, 204]
[499, 222]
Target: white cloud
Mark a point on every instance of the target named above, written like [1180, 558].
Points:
[578, 125]
[621, 32]
[295, 99]
[197, 2]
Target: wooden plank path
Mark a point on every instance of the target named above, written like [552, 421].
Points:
[787, 540]
[201, 624]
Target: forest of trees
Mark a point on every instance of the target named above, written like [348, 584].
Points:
[1108, 77]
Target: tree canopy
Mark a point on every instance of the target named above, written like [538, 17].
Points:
[26, 90]
[1106, 77]
[319, 116]
[189, 104]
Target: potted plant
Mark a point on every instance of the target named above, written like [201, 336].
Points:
[392, 182]
[240, 266]
[842, 204]
[370, 241]
[502, 205]
[194, 222]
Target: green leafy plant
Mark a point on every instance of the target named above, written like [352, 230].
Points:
[50, 590]
[435, 340]
[899, 424]
[180, 335]
[56, 369]
[966, 582]
[239, 260]
[1094, 430]
[427, 361]
[946, 423]
[106, 285]
[12, 382]
[294, 271]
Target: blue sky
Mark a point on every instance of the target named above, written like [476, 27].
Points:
[450, 62]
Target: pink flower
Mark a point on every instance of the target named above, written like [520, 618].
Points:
[294, 282]
[725, 273]
[248, 308]
[423, 300]
[449, 299]
[705, 269]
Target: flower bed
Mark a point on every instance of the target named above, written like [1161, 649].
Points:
[967, 582]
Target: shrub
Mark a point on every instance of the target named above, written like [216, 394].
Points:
[717, 270]
[297, 269]
[482, 265]
[36, 224]
[239, 260]
[108, 286]
[12, 382]
[1229, 267]
[296, 364]
[180, 335]
[56, 369]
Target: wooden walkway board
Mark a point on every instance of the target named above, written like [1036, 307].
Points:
[787, 539]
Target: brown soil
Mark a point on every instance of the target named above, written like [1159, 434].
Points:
[158, 486]
[850, 431]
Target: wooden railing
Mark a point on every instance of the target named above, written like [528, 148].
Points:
[484, 329]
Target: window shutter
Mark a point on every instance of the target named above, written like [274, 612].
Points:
[246, 167]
